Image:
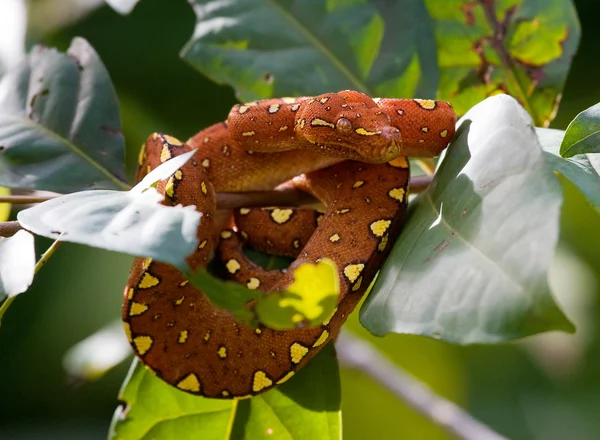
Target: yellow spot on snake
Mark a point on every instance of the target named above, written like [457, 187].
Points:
[258, 331]
[285, 378]
[244, 211]
[178, 175]
[399, 162]
[248, 133]
[142, 344]
[424, 129]
[288, 100]
[427, 104]
[297, 352]
[273, 108]
[324, 100]
[284, 128]
[383, 243]
[357, 284]
[225, 393]
[130, 293]
[226, 234]
[400, 112]
[261, 381]
[318, 122]
[173, 141]
[243, 109]
[352, 271]
[206, 140]
[184, 283]
[443, 133]
[358, 184]
[189, 383]
[421, 141]
[343, 211]
[183, 335]
[295, 107]
[397, 194]
[233, 266]
[127, 329]
[165, 154]
[222, 352]
[334, 238]
[142, 155]
[203, 187]
[207, 336]
[147, 262]
[202, 245]
[321, 339]
[170, 187]
[364, 132]
[148, 281]
[379, 227]
[281, 216]
[180, 301]
[296, 244]
[206, 163]
[137, 309]
[253, 283]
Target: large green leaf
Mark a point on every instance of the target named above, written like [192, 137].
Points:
[17, 264]
[583, 133]
[520, 47]
[59, 123]
[582, 169]
[269, 48]
[470, 265]
[306, 406]
[132, 222]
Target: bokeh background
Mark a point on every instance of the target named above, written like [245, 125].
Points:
[546, 387]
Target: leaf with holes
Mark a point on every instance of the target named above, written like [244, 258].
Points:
[17, 264]
[467, 268]
[583, 133]
[131, 222]
[376, 47]
[582, 169]
[306, 406]
[59, 123]
[520, 47]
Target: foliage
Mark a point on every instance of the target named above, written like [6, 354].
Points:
[466, 268]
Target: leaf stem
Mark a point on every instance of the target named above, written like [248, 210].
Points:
[356, 353]
[41, 262]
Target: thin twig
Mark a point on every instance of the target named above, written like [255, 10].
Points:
[41, 262]
[357, 353]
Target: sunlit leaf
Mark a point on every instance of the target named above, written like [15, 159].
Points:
[59, 123]
[17, 263]
[583, 133]
[376, 47]
[131, 222]
[582, 169]
[520, 47]
[468, 268]
[306, 406]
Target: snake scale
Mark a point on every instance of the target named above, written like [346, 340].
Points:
[346, 149]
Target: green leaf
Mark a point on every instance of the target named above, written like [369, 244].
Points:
[471, 263]
[131, 222]
[123, 7]
[520, 47]
[583, 169]
[311, 299]
[583, 133]
[306, 406]
[17, 264]
[267, 48]
[59, 123]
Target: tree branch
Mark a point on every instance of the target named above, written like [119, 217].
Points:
[356, 353]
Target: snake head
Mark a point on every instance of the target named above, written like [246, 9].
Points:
[350, 125]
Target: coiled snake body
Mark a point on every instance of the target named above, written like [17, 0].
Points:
[347, 150]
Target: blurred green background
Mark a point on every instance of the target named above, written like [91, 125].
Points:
[543, 388]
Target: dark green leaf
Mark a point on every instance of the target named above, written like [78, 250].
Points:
[131, 222]
[520, 47]
[470, 265]
[59, 123]
[583, 133]
[123, 7]
[17, 264]
[583, 169]
[306, 406]
[267, 48]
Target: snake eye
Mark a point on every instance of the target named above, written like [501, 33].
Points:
[344, 125]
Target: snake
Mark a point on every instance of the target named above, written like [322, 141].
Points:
[347, 150]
